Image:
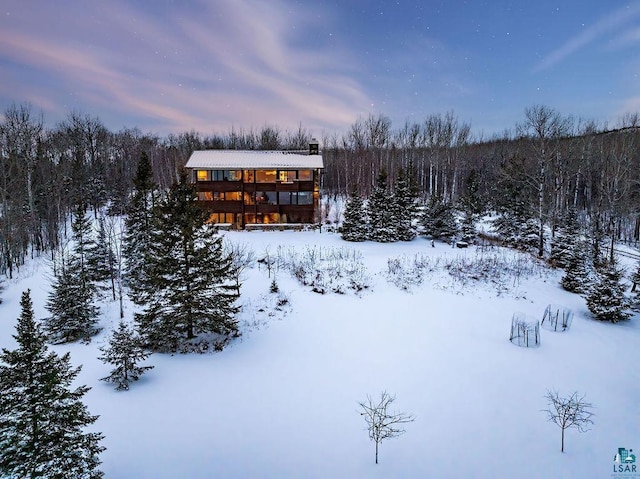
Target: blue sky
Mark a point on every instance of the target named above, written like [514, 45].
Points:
[171, 66]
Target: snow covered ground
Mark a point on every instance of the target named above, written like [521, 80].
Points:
[282, 401]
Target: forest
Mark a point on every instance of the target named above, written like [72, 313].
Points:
[543, 167]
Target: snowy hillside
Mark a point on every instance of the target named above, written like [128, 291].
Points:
[282, 401]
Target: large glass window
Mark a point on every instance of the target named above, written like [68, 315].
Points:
[305, 197]
[220, 218]
[205, 195]
[305, 175]
[266, 197]
[225, 195]
[203, 175]
[249, 198]
[265, 176]
[284, 198]
[287, 176]
[226, 175]
[249, 176]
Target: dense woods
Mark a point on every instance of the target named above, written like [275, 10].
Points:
[539, 169]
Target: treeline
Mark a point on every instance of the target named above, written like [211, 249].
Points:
[547, 163]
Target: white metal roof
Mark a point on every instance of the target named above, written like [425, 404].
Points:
[250, 159]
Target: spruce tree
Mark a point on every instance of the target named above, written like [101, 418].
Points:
[73, 314]
[101, 257]
[42, 419]
[381, 211]
[405, 204]
[606, 301]
[438, 220]
[472, 206]
[354, 225]
[139, 227]
[576, 275]
[71, 301]
[190, 283]
[124, 351]
[563, 242]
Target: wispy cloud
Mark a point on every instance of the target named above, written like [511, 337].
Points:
[608, 25]
[243, 63]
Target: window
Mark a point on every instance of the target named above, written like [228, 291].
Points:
[227, 175]
[249, 176]
[286, 176]
[220, 218]
[203, 175]
[265, 176]
[284, 198]
[266, 197]
[249, 198]
[225, 195]
[305, 197]
[305, 175]
[205, 195]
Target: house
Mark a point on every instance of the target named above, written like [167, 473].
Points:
[240, 187]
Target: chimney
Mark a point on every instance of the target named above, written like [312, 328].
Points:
[314, 147]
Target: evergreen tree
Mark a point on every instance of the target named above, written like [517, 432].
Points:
[43, 420]
[563, 242]
[139, 227]
[472, 206]
[438, 220]
[74, 315]
[381, 210]
[405, 204]
[354, 225]
[124, 351]
[606, 300]
[84, 247]
[102, 258]
[190, 284]
[576, 276]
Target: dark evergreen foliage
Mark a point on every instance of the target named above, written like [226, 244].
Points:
[73, 315]
[438, 220]
[381, 212]
[139, 228]
[405, 205]
[354, 225]
[42, 419]
[576, 277]
[124, 350]
[566, 236]
[190, 287]
[606, 301]
[101, 257]
[71, 301]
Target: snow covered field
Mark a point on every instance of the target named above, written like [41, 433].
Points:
[282, 401]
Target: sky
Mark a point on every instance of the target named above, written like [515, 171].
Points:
[167, 66]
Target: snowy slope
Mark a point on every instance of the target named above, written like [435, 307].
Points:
[283, 400]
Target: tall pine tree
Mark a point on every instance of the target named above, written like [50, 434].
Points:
[382, 217]
[139, 226]
[190, 285]
[72, 299]
[354, 226]
[405, 204]
[565, 238]
[576, 275]
[42, 419]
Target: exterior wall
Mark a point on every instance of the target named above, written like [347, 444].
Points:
[252, 200]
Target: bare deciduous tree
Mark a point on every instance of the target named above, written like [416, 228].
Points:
[572, 411]
[381, 423]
